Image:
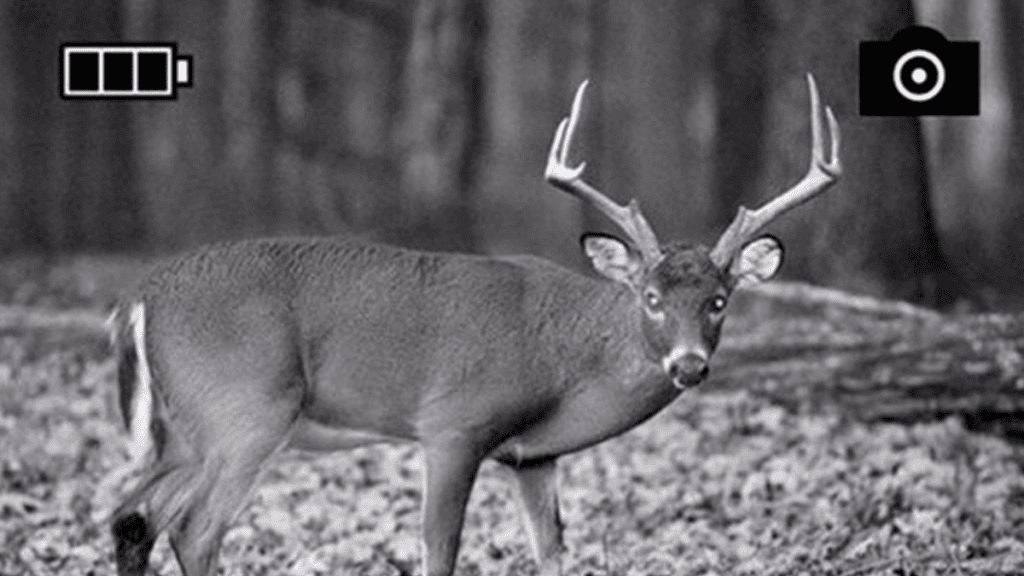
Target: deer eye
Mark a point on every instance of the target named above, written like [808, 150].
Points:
[652, 298]
[718, 303]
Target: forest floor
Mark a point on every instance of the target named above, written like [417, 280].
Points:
[725, 481]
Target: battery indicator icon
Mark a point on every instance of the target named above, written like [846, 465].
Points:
[149, 71]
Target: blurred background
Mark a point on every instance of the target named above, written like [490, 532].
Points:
[426, 124]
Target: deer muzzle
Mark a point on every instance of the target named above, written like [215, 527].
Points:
[686, 368]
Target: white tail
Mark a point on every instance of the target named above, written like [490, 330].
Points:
[142, 405]
[331, 343]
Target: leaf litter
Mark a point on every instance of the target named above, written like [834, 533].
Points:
[720, 483]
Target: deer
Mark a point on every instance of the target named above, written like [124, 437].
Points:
[234, 352]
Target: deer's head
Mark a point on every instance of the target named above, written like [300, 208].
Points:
[682, 291]
[682, 297]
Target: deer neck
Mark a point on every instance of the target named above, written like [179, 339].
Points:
[610, 384]
[612, 348]
[631, 370]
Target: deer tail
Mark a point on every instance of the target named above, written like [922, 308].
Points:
[134, 379]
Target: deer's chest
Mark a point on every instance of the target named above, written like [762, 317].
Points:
[599, 410]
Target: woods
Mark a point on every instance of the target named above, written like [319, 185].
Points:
[863, 416]
[426, 124]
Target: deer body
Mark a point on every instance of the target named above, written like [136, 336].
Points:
[231, 353]
[498, 346]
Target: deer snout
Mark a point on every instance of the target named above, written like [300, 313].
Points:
[687, 368]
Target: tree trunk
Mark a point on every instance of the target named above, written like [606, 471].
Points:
[11, 159]
[536, 53]
[1005, 231]
[741, 80]
[972, 159]
[37, 133]
[439, 137]
[179, 148]
[340, 98]
[250, 52]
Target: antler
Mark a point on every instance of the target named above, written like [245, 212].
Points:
[821, 175]
[560, 174]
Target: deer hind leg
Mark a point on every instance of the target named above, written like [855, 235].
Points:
[202, 482]
[194, 500]
[538, 500]
[244, 433]
[197, 534]
[155, 502]
[147, 511]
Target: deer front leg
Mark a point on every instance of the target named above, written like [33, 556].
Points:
[538, 499]
[451, 466]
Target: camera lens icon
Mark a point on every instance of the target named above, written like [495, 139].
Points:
[918, 72]
[925, 69]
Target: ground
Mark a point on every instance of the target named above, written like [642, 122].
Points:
[725, 481]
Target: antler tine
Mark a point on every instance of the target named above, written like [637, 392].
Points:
[821, 175]
[569, 179]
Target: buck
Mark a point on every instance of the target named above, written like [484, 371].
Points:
[230, 354]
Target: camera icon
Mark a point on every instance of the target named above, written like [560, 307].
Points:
[919, 73]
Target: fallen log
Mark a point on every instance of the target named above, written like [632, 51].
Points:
[812, 348]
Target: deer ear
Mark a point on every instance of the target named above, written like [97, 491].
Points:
[758, 260]
[612, 258]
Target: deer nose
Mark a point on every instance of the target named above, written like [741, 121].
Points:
[688, 370]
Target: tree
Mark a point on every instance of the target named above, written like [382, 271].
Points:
[536, 52]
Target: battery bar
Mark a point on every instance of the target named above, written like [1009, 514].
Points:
[148, 71]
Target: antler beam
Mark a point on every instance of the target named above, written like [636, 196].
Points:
[569, 179]
[820, 176]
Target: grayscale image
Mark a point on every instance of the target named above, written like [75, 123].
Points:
[511, 288]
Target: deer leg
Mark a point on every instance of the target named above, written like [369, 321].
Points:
[451, 467]
[538, 507]
[242, 439]
[196, 536]
[151, 506]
